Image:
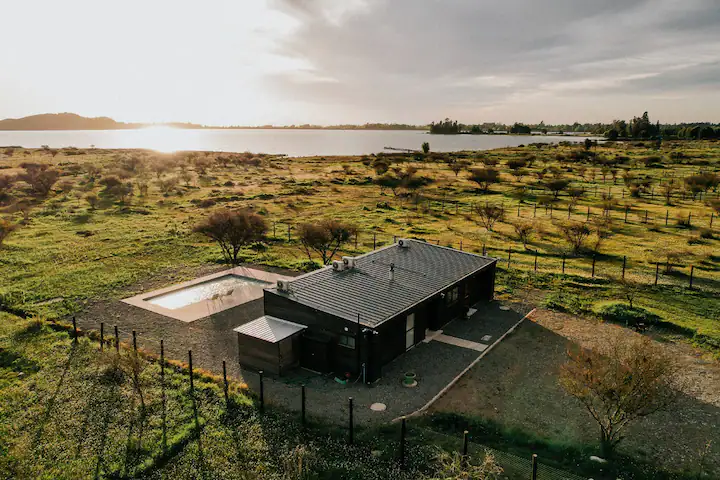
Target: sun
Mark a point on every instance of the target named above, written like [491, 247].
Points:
[162, 138]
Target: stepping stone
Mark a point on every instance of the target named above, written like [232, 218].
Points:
[378, 407]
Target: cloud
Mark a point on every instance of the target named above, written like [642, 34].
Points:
[418, 60]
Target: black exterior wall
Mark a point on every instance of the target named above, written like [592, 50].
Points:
[378, 346]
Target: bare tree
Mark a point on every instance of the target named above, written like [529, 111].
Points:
[524, 231]
[668, 188]
[575, 233]
[6, 183]
[488, 214]
[324, 238]
[630, 289]
[626, 378]
[232, 230]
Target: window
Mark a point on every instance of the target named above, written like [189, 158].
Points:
[347, 341]
[409, 331]
[452, 296]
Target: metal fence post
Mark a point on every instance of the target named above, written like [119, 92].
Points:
[465, 444]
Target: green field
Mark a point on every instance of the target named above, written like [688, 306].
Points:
[65, 413]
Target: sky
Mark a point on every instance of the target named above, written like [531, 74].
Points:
[281, 62]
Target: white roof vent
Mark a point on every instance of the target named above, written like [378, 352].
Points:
[403, 243]
[283, 285]
[338, 265]
[349, 262]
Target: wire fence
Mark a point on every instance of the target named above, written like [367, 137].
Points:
[668, 269]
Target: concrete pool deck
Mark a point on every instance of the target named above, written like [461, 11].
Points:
[208, 307]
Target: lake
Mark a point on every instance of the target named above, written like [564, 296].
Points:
[291, 142]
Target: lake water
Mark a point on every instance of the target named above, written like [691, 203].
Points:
[291, 142]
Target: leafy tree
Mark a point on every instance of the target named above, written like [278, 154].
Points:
[426, 148]
[6, 183]
[623, 380]
[325, 237]
[485, 177]
[233, 230]
[520, 128]
[557, 185]
[388, 180]
[40, 177]
[92, 200]
[516, 163]
[445, 127]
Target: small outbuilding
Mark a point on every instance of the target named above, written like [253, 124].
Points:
[358, 314]
[269, 344]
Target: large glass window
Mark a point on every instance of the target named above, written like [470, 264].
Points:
[452, 296]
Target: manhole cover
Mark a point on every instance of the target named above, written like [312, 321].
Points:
[378, 407]
[504, 307]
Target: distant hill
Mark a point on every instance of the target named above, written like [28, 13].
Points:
[63, 121]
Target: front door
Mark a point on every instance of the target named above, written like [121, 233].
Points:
[409, 331]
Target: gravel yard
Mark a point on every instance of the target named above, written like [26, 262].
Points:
[211, 340]
[516, 385]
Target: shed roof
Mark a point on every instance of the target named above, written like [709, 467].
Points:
[421, 270]
[270, 329]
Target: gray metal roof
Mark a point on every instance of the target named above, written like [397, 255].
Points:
[268, 328]
[421, 270]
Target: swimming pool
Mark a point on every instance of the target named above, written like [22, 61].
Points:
[208, 295]
[214, 289]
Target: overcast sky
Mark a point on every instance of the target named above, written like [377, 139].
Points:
[353, 61]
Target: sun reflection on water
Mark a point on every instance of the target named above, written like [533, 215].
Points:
[162, 138]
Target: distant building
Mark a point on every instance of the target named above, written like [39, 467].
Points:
[360, 313]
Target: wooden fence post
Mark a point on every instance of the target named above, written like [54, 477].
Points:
[117, 340]
[484, 249]
[102, 336]
[374, 240]
[134, 335]
[350, 420]
[289, 228]
[225, 385]
[626, 212]
[623, 269]
[534, 466]
[75, 334]
[302, 403]
[692, 271]
[593, 266]
[509, 251]
[667, 214]
[563, 264]
[262, 392]
[192, 384]
[403, 431]
[588, 214]
[465, 444]
[274, 230]
[657, 272]
[536, 254]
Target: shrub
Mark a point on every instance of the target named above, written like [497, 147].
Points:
[40, 177]
[6, 228]
[484, 177]
[575, 233]
[625, 314]
[567, 302]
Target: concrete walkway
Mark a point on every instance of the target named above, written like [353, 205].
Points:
[459, 342]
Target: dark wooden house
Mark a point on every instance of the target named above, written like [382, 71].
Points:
[363, 312]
